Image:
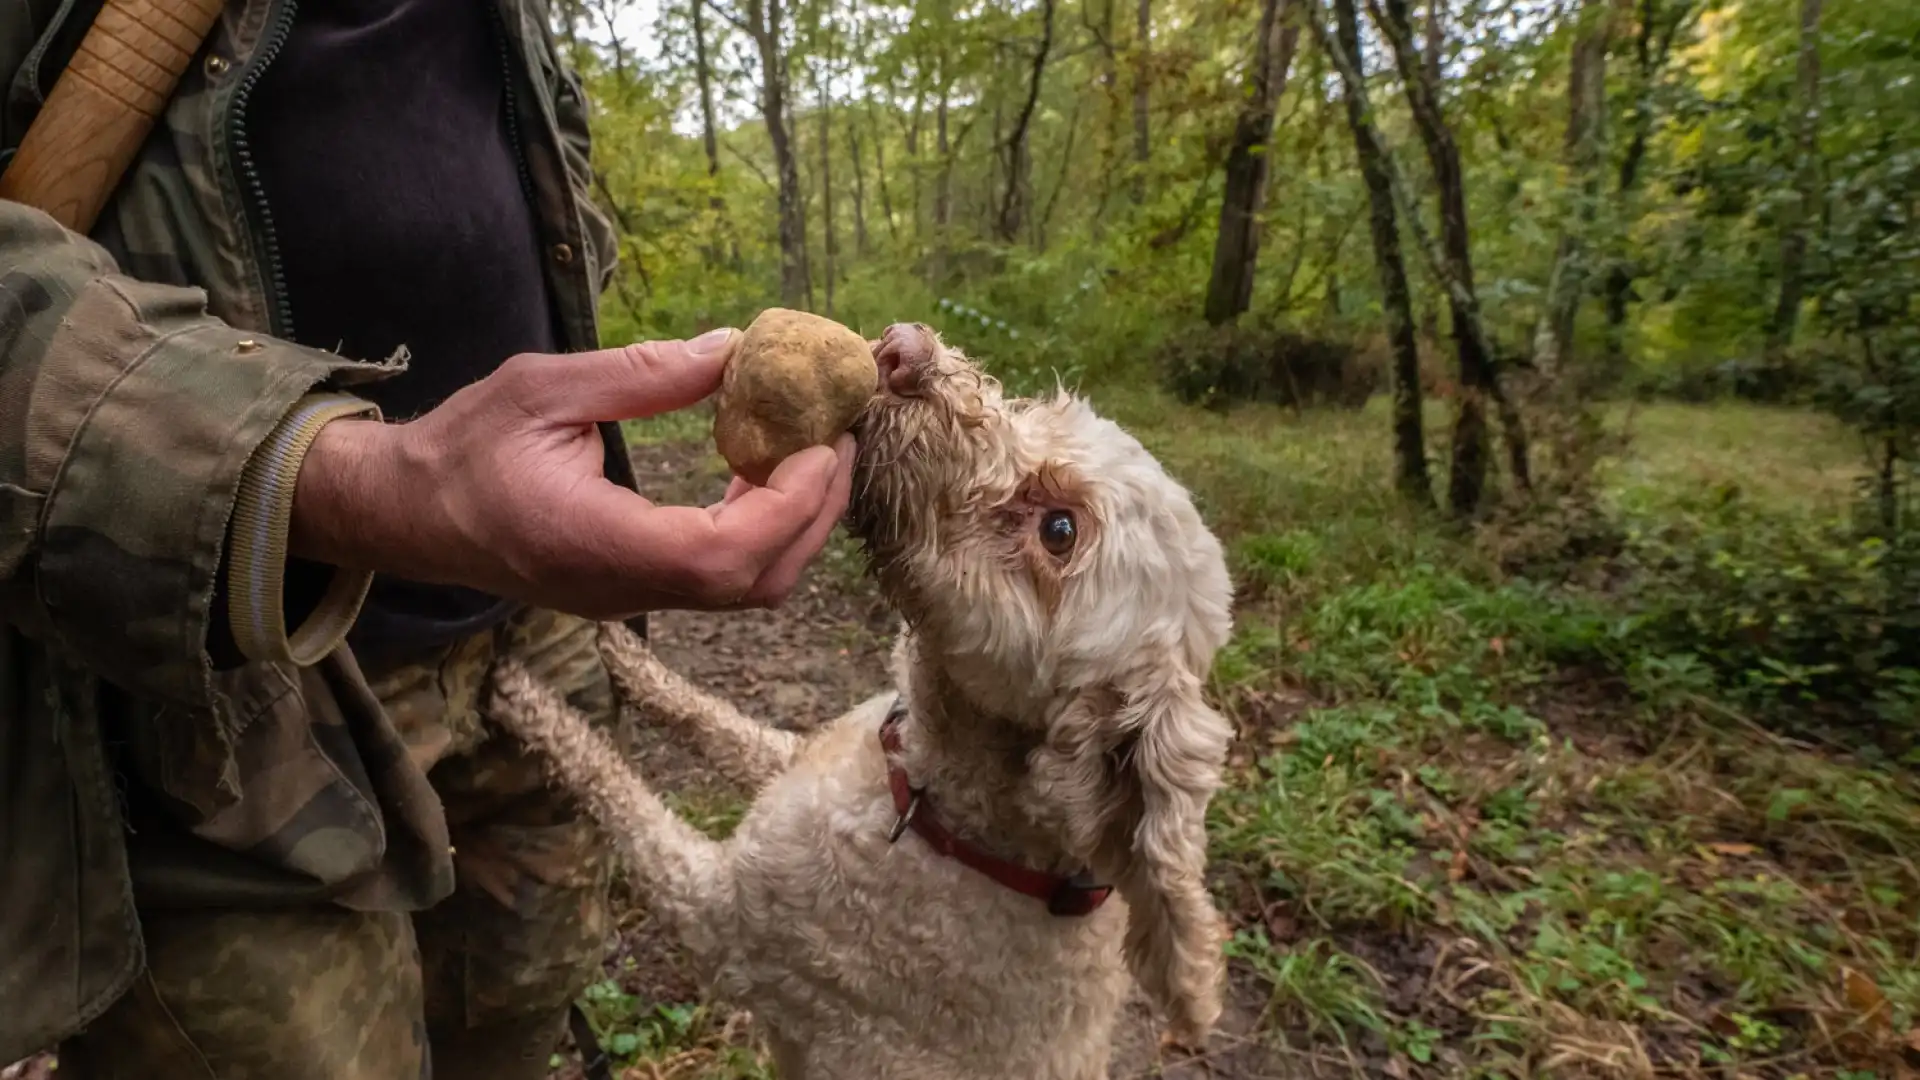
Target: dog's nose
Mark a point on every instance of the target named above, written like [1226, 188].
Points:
[902, 354]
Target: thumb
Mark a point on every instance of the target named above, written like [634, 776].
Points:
[625, 383]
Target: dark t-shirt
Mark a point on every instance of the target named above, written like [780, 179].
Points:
[399, 201]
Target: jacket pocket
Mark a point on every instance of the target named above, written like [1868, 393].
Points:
[318, 797]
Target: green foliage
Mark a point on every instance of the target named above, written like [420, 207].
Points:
[1812, 622]
[634, 1033]
[1793, 377]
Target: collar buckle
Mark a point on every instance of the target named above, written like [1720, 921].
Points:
[905, 818]
[1077, 895]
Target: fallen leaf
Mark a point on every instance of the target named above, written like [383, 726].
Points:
[1865, 998]
[1732, 849]
[1281, 925]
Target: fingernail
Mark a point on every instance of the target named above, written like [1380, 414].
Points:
[713, 342]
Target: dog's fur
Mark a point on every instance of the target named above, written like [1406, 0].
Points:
[1055, 717]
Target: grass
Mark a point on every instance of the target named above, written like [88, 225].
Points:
[684, 426]
[1628, 884]
[1469, 854]
[1784, 459]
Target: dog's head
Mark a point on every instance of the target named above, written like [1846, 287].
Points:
[1063, 579]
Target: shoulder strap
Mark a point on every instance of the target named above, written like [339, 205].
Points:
[103, 105]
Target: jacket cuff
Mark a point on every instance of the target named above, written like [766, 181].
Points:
[145, 412]
[257, 556]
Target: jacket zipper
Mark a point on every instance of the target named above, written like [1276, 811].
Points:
[39, 52]
[512, 102]
[253, 189]
[30, 69]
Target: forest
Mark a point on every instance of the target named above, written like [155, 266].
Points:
[1551, 370]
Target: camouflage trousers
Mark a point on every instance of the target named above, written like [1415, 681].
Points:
[476, 988]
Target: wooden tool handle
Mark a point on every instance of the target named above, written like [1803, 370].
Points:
[104, 104]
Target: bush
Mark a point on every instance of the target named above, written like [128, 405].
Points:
[1792, 379]
[1218, 367]
[1816, 626]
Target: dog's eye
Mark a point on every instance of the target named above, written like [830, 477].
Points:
[1057, 532]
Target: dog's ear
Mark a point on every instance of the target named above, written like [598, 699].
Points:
[1133, 764]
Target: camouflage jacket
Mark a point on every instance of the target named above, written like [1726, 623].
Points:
[151, 425]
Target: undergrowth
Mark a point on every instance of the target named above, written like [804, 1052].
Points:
[1575, 812]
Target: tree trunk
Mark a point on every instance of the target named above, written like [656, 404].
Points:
[1236, 248]
[1409, 439]
[831, 241]
[1019, 178]
[703, 75]
[765, 23]
[1796, 218]
[942, 190]
[1466, 485]
[1142, 97]
[1436, 40]
[1110, 139]
[605, 11]
[709, 133]
[823, 37]
[1585, 143]
[880, 181]
[915, 166]
[1002, 169]
[1650, 57]
[859, 186]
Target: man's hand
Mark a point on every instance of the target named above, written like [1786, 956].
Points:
[501, 488]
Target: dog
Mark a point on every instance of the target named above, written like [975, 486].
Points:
[958, 879]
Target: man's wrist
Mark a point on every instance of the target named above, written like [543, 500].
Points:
[261, 564]
[342, 496]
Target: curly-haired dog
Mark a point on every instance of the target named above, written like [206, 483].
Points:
[956, 880]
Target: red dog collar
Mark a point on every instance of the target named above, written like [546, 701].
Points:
[1075, 895]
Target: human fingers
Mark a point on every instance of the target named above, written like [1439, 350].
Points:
[644, 379]
[705, 558]
[780, 578]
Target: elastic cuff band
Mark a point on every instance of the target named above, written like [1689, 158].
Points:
[257, 556]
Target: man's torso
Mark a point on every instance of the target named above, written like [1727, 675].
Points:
[403, 217]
